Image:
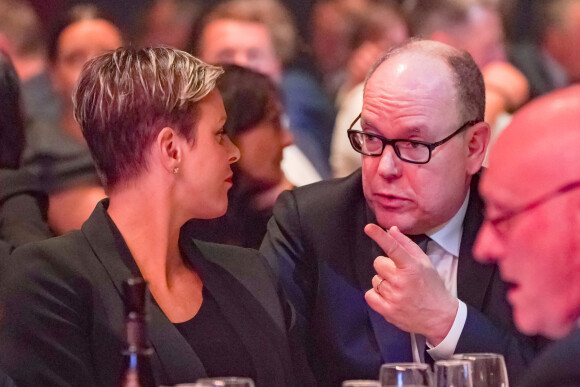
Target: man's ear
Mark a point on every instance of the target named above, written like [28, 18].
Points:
[168, 148]
[477, 141]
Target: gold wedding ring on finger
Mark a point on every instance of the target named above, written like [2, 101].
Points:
[378, 288]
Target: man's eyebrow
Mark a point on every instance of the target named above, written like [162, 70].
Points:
[369, 127]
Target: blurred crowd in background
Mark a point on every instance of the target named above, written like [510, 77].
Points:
[316, 53]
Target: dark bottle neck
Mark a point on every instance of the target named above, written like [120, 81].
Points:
[137, 371]
[136, 334]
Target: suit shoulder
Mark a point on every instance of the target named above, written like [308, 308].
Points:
[325, 195]
[352, 182]
[315, 206]
[64, 253]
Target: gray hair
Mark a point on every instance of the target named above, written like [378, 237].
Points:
[125, 97]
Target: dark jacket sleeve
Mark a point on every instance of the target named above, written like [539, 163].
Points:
[481, 334]
[557, 365]
[23, 209]
[44, 339]
[302, 370]
[284, 251]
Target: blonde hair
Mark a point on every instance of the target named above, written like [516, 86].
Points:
[125, 97]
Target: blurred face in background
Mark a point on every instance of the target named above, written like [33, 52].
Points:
[563, 41]
[78, 43]
[261, 147]
[483, 36]
[243, 43]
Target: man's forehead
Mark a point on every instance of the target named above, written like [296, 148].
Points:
[537, 153]
[415, 70]
[242, 31]
[411, 85]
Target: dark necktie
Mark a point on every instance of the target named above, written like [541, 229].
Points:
[421, 240]
[419, 340]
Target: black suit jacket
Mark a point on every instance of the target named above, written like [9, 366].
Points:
[530, 60]
[557, 366]
[23, 208]
[63, 312]
[316, 244]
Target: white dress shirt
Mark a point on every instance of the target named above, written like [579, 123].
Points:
[443, 251]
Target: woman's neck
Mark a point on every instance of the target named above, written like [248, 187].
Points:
[144, 219]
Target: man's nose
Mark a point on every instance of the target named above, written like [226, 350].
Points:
[241, 59]
[389, 164]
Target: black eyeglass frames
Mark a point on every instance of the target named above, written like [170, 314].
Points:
[411, 151]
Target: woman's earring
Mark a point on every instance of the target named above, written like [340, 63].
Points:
[175, 170]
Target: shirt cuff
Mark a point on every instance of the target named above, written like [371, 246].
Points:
[446, 348]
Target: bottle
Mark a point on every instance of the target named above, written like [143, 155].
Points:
[137, 370]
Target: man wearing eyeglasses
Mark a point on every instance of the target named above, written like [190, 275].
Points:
[422, 142]
[532, 217]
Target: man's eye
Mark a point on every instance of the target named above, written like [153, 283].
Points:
[409, 145]
[371, 139]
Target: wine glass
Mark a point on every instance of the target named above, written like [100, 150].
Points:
[453, 373]
[230, 381]
[405, 375]
[487, 369]
[361, 383]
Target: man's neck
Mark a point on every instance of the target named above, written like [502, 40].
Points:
[448, 235]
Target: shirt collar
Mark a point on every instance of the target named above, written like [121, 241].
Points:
[448, 235]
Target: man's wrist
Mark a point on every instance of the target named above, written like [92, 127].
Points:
[446, 348]
[444, 323]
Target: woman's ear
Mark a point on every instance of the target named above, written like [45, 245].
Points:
[169, 149]
[477, 142]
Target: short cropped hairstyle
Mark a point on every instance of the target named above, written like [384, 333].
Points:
[271, 13]
[467, 76]
[125, 97]
[11, 117]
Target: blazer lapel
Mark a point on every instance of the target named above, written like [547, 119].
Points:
[473, 278]
[260, 335]
[394, 344]
[173, 355]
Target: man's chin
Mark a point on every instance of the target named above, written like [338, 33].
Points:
[406, 224]
[532, 324]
